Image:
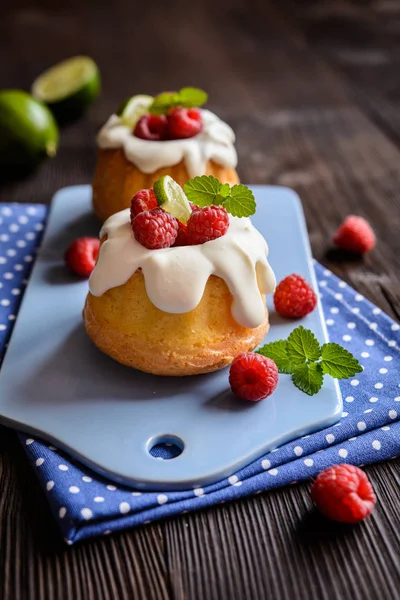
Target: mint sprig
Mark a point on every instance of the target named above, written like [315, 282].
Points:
[206, 190]
[308, 378]
[277, 351]
[302, 345]
[188, 97]
[302, 357]
[338, 362]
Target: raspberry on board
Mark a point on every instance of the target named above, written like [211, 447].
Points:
[81, 255]
[294, 297]
[355, 235]
[155, 229]
[152, 127]
[253, 376]
[343, 493]
[141, 201]
[206, 224]
[184, 123]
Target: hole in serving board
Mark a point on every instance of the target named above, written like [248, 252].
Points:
[165, 447]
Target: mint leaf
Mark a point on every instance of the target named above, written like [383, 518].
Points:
[302, 345]
[338, 362]
[241, 202]
[163, 102]
[206, 190]
[308, 378]
[203, 190]
[225, 190]
[188, 97]
[277, 352]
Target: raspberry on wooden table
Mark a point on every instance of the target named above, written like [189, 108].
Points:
[152, 127]
[355, 235]
[343, 493]
[206, 224]
[155, 229]
[253, 376]
[294, 297]
[141, 201]
[81, 255]
[184, 123]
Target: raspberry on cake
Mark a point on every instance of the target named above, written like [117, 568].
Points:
[143, 200]
[152, 127]
[184, 123]
[206, 224]
[171, 134]
[170, 305]
[182, 237]
[155, 229]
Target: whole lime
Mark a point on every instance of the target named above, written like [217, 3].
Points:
[28, 131]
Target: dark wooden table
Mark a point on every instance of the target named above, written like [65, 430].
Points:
[312, 90]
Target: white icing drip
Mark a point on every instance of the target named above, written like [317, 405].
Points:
[175, 278]
[215, 142]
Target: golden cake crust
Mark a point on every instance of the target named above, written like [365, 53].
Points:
[116, 180]
[124, 324]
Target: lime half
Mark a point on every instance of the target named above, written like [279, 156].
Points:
[171, 197]
[134, 108]
[69, 87]
[28, 131]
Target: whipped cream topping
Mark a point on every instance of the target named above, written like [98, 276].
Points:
[215, 142]
[175, 278]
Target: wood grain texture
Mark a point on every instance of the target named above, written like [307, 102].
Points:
[311, 89]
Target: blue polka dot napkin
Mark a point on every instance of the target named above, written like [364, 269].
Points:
[84, 504]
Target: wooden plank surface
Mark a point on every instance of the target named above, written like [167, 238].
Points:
[298, 81]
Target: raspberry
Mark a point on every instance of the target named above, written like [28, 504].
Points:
[81, 255]
[294, 297]
[151, 127]
[142, 200]
[355, 235]
[155, 228]
[343, 493]
[182, 238]
[253, 376]
[206, 224]
[184, 123]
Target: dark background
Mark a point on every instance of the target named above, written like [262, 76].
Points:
[312, 91]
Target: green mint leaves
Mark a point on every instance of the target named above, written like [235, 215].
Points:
[302, 345]
[277, 351]
[338, 362]
[308, 378]
[188, 97]
[206, 190]
[302, 357]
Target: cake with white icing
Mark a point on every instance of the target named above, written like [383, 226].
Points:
[134, 152]
[179, 309]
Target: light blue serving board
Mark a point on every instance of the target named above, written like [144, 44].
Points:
[55, 384]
